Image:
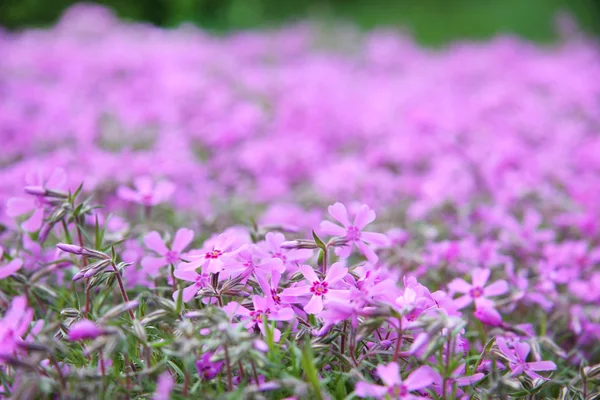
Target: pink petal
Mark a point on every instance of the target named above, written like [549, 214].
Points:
[496, 289]
[189, 276]
[152, 265]
[330, 228]
[143, 184]
[469, 380]
[522, 350]
[274, 264]
[338, 211]
[501, 343]
[18, 206]
[183, 238]
[309, 273]
[295, 291]
[284, 314]
[364, 389]
[10, 268]
[480, 277]
[188, 293]
[378, 239]
[364, 217]
[463, 301]
[336, 273]
[163, 191]
[274, 240]
[298, 255]
[128, 194]
[34, 223]
[154, 242]
[315, 305]
[57, 179]
[389, 374]
[367, 252]
[459, 285]
[420, 378]
[542, 366]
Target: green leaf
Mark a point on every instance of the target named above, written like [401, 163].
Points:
[310, 370]
[319, 242]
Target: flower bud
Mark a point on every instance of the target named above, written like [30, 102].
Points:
[299, 244]
[84, 329]
[488, 316]
[35, 190]
[70, 248]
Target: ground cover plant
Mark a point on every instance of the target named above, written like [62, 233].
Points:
[297, 213]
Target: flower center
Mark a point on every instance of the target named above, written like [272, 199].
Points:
[319, 288]
[282, 257]
[476, 292]
[147, 199]
[213, 254]
[398, 391]
[275, 296]
[353, 234]
[258, 315]
[172, 257]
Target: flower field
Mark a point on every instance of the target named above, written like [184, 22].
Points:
[303, 212]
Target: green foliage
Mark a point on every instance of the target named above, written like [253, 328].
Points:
[432, 21]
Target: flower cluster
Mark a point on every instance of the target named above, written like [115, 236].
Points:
[344, 218]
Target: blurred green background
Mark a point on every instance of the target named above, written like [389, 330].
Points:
[431, 21]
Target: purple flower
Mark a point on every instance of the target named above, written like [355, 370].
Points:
[318, 288]
[271, 247]
[200, 281]
[477, 291]
[164, 385]
[11, 267]
[18, 206]
[84, 329]
[147, 192]
[517, 360]
[353, 232]
[208, 369]
[172, 255]
[209, 258]
[14, 325]
[394, 386]
[264, 311]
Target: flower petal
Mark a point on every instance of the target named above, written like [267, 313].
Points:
[34, 223]
[378, 239]
[18, 206]
[389, 374]
[338, 212]
[154, 242]
[365, 389]
[459, 285]
[336, 273]
[480, 276]
[542, 366]
[315, 305]
[330, 228]
[420, 378]
[496, 289]
[183, 238]
[10, 268]
[309, 273]
[364, 217]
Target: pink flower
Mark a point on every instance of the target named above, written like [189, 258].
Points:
[84, 329]
[458, 378]
[263, 311]
[18, 206]
[394, 386]
[245, 261]
[147, 192]
[14, 325]
[517, 359]
[164, 385]
[167, 255]
[271, 247]
[477, 291]
[210, 257]
[11, 267]
[200, 281]
[352, 232]
[318, 288]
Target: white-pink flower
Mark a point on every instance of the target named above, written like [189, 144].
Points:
[353, 231]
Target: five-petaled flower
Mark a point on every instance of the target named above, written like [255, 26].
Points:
[394, 386]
